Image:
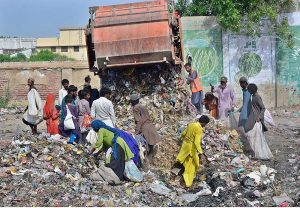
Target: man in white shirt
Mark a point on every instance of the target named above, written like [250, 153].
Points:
[64, 90]
[103, 109]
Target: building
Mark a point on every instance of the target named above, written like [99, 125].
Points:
[11, 46]
[71, 43]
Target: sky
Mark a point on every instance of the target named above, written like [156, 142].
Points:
[43, 18]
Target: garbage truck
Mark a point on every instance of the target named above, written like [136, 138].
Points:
[133, 36]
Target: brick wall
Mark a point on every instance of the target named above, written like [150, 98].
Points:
[48, 76]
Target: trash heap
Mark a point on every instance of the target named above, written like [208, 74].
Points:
[167, 98]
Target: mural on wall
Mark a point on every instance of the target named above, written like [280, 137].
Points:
[202, 39]
[288, 60]
[252, 57]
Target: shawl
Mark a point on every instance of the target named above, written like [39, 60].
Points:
[97, 124]
[49, 106]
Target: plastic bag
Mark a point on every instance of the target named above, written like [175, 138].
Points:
[87, 120]
[68, 122]
[132, 173]
[268, 118]
[258, 142]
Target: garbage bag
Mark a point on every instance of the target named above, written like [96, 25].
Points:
[68, 122]
[232, 121]
[105, 174]
[132, 173]
[258, 142]
[268, 118]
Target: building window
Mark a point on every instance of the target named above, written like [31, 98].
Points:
[64, 49]
[53, 49]
[76, 48]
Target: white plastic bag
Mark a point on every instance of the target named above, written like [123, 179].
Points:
[132, 173]
[268, 118]
[258, 142]
[68, 122]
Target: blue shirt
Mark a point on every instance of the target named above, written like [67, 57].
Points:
[245, 108]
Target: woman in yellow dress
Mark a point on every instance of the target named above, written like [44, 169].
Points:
[191, 148]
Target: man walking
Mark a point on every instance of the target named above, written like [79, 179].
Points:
[244, 114]
[196, 88]
[64, 90]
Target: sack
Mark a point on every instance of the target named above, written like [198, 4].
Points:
[132, 173]
[268, 118]
[232, 121]
[258, 142]
[87, 120]
[68, 122]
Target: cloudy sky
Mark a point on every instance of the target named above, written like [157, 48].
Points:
[43, 18]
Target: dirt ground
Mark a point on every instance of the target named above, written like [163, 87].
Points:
[284, 141]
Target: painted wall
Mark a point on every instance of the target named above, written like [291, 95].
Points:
[263, 60]
[288, 61]
[202, 39]
[251, 57]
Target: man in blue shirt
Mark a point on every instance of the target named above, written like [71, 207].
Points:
[245, 109]
[244, 114]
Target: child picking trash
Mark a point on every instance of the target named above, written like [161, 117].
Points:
[211, 103]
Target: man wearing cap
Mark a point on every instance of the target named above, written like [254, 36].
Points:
[144, 125]
[196, 88]
[226, 99]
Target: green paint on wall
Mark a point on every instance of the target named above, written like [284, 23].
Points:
[288, 61]
[205, 47]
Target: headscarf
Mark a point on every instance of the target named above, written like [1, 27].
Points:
[49, 105]
[31, 79]
[97, 124]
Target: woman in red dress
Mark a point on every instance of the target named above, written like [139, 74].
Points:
[51, 115]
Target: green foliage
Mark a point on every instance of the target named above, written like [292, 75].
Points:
[46, 55]
[244, 16]
[18, 58]
[4, 58]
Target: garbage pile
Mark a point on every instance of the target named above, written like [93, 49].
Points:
[46, 171]
[11, 111]
[167, 99]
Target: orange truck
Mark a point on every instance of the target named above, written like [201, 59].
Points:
[133, 35]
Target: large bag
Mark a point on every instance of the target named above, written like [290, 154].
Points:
[132, 173]
[258, 142]
[268, 118]
[87, 120]
[68, 122]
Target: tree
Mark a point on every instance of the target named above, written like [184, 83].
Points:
[244, 16]
[46, 55]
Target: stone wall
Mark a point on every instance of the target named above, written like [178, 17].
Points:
[47, 75]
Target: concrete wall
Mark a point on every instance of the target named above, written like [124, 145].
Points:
[77, 55]
[264, 60]
[288, 66]
[47, 75]
[68, 37]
